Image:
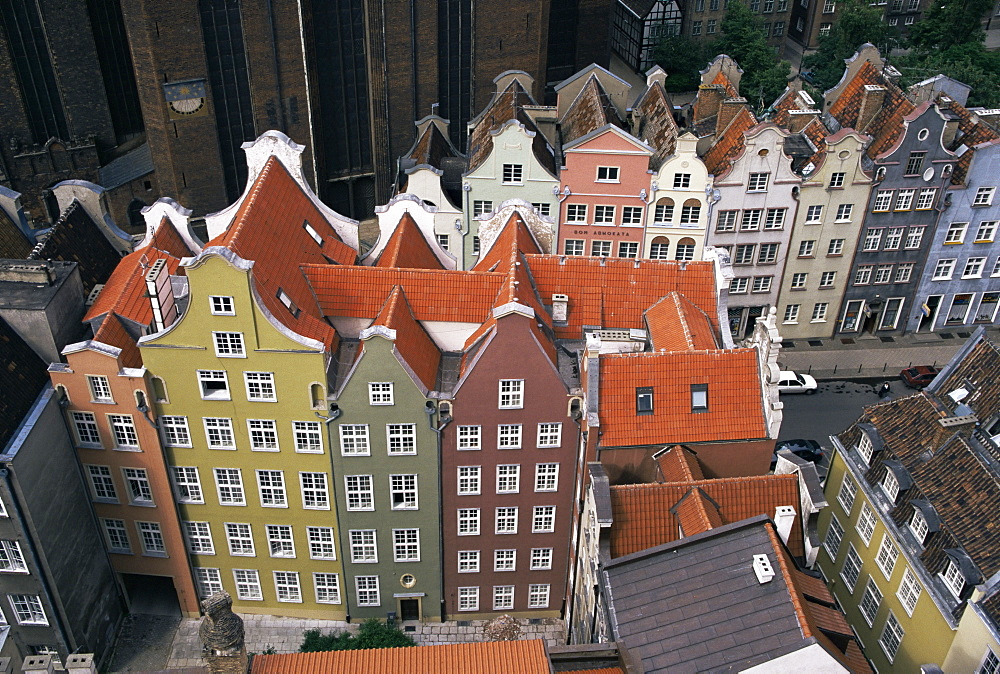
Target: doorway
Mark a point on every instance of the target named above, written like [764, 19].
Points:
[151, 595]
[928, 313]
[409, 609]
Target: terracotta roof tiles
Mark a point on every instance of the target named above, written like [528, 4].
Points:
[408, 248]
[729, 143]
[676, 324]
[887, 124]
[696, 513]
[591, 110]
[972, 132]
[125, 291]
[679, 465]
[412, 342]
[113, 333]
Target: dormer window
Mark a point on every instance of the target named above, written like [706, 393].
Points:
[644, 400]
[918, 525]
[890, 485]
[699, 397]
[607, 174]
[865, 448]
[953, 578]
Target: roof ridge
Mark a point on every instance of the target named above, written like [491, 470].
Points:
[790, 587]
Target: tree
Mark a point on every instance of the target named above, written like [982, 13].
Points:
[857, 23]
[682, 57]
[968, 63]
[764, 76]
[948, 23]
[373, 634]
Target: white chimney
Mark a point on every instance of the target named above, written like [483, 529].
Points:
[161, 295]
[560, 307]
[81, 663]
[784, 518]
[762, 567]
[38, 663]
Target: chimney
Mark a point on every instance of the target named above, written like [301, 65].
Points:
[38, 663]
[708, 102]
[762, 568]
[222, 636]
[81, 663]
[560, 307]
[655, 74]
[727, 112]
[784, 519]
[871, 102]
[799, 119]
[161, 295]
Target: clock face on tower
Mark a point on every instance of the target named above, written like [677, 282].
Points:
[185, 98]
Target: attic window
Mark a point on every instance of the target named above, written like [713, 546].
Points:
[287, 301]
[953, 579]
[312, 232]
[890, 485]
[607, 174]
[699, 397]
[918, 525]
[644, 400]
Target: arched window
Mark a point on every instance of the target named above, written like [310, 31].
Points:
[317, 394]
[685, 249]
[691, 212]
[664, 212]
[659, 248]
[159, 390]
[135, 220]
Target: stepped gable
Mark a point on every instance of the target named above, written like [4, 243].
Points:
[679, 464]
[22, 377]
[972, 131]
[886, 125]
[408, 248]
[589, 111]
[506, 106]
[676, 324]
[729, 144]
[77, 238]
[657, 127]
[412, 342]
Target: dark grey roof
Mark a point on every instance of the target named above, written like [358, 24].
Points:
[696, 604]
[32, 284]
[128, 167]
[22, 377]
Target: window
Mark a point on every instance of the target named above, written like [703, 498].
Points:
[512, 174]
[986, 232]
[918, 526]
[739, 285]
[892, 635]
[791, 313]
[468, 521]
[503, 597]
[845, 497]
[762, 284]
[443, 239]
[991, 663]
[600, 248]
[836, 179]
[380, 393]
[904, 199]
[468, 561]
[644, 400]
[509, 436]
[726, 221]
[834, 535]
[401, 438]
[696, 28]
[403, 491]
[974, 267]
[628, 249]
[883, 199]
[260, 386]
[221, 305]
[271, 484]
[538, 595]
[214, 384]
[542, 208]
[480, 207]
[279, 540]
[827, 279]
[546, 477]
[123, 431]
[925, 198]
[744, 254]
[406, 545]
[909, 591]
[870, 602]
[117, 536]
[779, 26]
[632, 215]
[100, 389]
[28, 609]
[573, 247]
[505, 560]
[664, 211]
[943, 269]
[886, 557]
[685, 249]
[152, 539]
[819, 312]
[315, 494]
[775, 218]
[468, 599]
[506, 520]
[208, 581]
[873, 237]
[576, 213]
[543, 519]
[956, 233]
[836, 247]
[470, 437]
[511, 394]
[367, 590]
[890, 485]
[607, 174]
[475, 245]
[751, 219]
[814, 215]
[469, 479]
[710, 27]
[682, 181]
[286, 586]
[263, 435]
[541, 559]
[914, 163]
[508, 478]
[308, 437]
[914, 235]
[86, 428]
[240, 540]
[311, 231]
[363, 547]
[863, 275]
[354, 440]
[883, 273]
[866, 523]
[219, 433]
[904, 271]
[806, 248]
[247, 584]
[852, 569]
[229, 344]
[799, 280]
[175, 431]
[757, 182]
[11, 559]
[359, 492]
[229, 483]
[984, 196]
[699, 397]
[187, 484]
[604, 214]
[690, 213]
[321, 545]
[549, 435]
[768, 253]
[139, 490]
[953, 579]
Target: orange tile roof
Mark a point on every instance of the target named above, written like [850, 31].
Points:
[729, 143]
[812, 587]
[735, 406]
[723, 81]
[408, 248]
[113, 333]
[491, 657]
[603, 670]
[886, 126]
[972, 132]
[679, 464]
[676, 324]
[643, 517]
[696, 513]
[514, 237]
[413, 343]
[125, 291]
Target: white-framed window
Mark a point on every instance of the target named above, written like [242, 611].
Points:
[152, 539]
[139, 490]
[229, 345]
[503, 597]
[11, 559]
[986, 232]
[799, 280]
[509, 436]
[834, 536]
[628, 249]
[481, 207]
[918, 525]
[573, 247]
[893, 238]
[904, 199]
[286, 586]
[116, 534]
[315, 492]
[468, 599]
[506, 520]
[607, 174]
[543, 519]
[505, 560]
[914, 235]
[470, 437]
[827, 279]
[549, 435]
[844, 212]
[883, 200]
[890, 485]
[974, 267]
[865, 448]
[852, 568]
[873, 238]
[909, 591]
[814, 214]
[123, 431]
[538, 595]
[836, 247]
[271, 484]
[468, 521]
[87, 434]
[984, 196]
[358, 489]
[807, 248]
[229, 483]
[367, 590]
[403, 491]
[757, 182]
[247, 584]
[604, 215]
[990, 663]
[221, 305]
[469, 480]
[406, 545]
[543, 208]
[956, 233]
[508, 478]
[739, 285]
[263, 435]
[600, 248]
[791, 313]
[260, 386]
[214, 384]
[762, 284]
[953, 579]
[380, 393]
[511, 394]
[725, 223]
[100, 389]
[870, 601]
[354, 440]
[102, 484]
[199, 538]
[175, 431]
[848, 490]
[886, 557]
[750, 222]
[883, 273]
[513, 174]
[219, 433]
[904, 271]
[187, 484]
[690, 214]
[819, 312]
[308, 437]
[321, 543]
[632, 215]
[546, 476]
[925, 198]
[401, 438]
[208, 581]
[866, 523]
[836, 179]
[327, 587]
[541, 559]
[682, 181]
[279, 540]
[28, 609]
[744, 253]
[943, 270]
[239, 537]
[892, 636]
[363, 546]
[468, 561]
[768, 253]
[576, 213]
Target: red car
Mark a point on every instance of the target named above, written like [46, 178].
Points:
[919, 376]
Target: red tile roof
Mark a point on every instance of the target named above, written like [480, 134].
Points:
[696, 513]
[505, 106]
[676, 324]
[408, 248]
[735, 406]
[113, 333]
[723, 81]
[886, 126]
[413, 344]
[679, 465]
[729, 143]
[492, 657]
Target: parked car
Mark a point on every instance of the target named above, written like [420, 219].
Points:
[919, 376]
[810, 450]
[791, 382]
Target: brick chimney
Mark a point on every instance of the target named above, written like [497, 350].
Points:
[871, 102]
[708, 102]
[222, 635]
[799, 119]
[730, 107]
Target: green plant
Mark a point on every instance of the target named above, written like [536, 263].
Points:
[372, 634]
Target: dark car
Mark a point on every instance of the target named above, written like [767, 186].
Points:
[919, 376]
[809, 450]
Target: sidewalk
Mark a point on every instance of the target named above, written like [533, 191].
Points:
[870, 357]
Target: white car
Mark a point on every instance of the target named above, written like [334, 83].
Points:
[791, 382]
